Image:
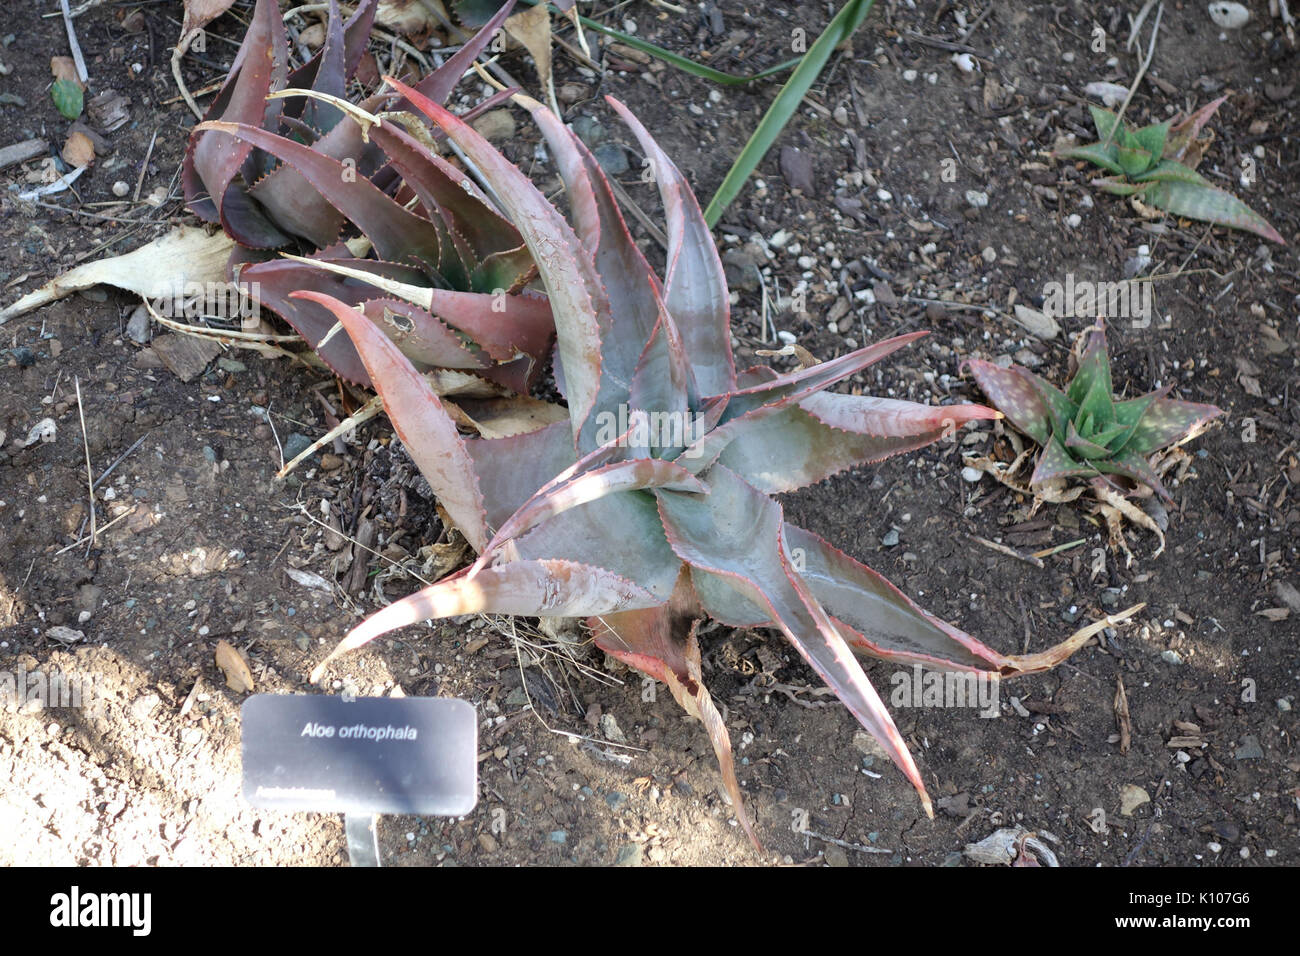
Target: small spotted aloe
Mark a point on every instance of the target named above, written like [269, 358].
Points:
[1156, 164]
[1084, 431]
[650, 508]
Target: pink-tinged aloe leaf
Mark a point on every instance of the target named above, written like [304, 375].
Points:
[663, 387]
[770, 395]
[441, 188]
[695, 288]
[635, 297]
[622, 533]
[735, 532]
[620, 476]
[1014, 396]
[1212, 205]
[511, 469]
[1055, 462]
[355, 36]
[566, 272]
[534, 588]
[1184, 133]
[437, 86]
[824, 434]
[883, 621]
[1165, 422]
[212, 162]
[803, 382]
[331, 71]
[278, 279]
[395, 233]
[645, 640]
[420, 336]
[418, 417]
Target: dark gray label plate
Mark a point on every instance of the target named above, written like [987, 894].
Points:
[331, 754]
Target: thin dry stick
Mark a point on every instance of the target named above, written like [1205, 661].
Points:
[1009, 552]
[144, 167]
[1142, 71]
[85, 443]
[77, 58]
[124, 514]
[366, 412]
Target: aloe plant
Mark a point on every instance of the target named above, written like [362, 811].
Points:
[1149, 163]
[1084, 431]
[643, 531]
[284, 161]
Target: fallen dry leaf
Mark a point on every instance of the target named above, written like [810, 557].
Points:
[1274, 613]
[238, 677]
[184, 255]
[65, 68]
[78, 150]
[532, 28]
[199, 13]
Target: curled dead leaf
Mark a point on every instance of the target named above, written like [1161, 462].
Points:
[232, 664]
[78, 150]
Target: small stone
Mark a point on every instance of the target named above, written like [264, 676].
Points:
[971, 475]
[1227, 830]
[588, 129]
[144, 706]
[1229, 16]
[835, 857]
[977, 199]
[615, 799]
[303, 642]
[612, 158]
[890, 539]
[610, 729]
[1171, 657]
[558, 836]
[330, 462]
[1283, 705]
[629, 854]
[1038, 324]
[1131, 797]
[120, 189]
[989, 254]
[1110, 597]
[1249, 749]
[496, 126]
[787, 338]
[295, 445]
[231, 365]
[1074, 220]
[488, 842]
[137, 329]
[1214, 847]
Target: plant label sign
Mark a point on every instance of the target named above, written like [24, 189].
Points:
[360, 755]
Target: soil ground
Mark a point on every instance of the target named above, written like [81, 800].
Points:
[874, 221]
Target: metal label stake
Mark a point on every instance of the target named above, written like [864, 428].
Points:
[360, 756]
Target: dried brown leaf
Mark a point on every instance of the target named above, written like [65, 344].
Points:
[238, 677]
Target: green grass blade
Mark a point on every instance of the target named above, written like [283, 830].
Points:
[787, 101]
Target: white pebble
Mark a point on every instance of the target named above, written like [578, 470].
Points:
[971, 474]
